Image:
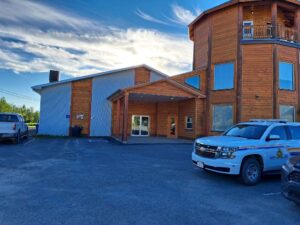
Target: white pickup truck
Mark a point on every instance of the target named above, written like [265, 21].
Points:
[13, 126]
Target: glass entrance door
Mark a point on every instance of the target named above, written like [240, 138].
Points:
[140, 125]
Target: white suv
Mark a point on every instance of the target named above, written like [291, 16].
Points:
[13, 126]
[249, 149]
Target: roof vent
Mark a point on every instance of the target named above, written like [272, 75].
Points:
[53, 76]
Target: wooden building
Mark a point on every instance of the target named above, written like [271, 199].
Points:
[245, 66]
[246, 60]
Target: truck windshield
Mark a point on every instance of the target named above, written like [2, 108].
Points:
[246, 131]
[8, 118]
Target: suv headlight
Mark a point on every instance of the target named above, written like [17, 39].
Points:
[227, 152]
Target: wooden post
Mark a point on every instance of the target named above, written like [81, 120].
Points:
[275, 82]
[239, 66]
[125, 118]
[208, 80]
[297, 24]
[274, 12]
[118, 117]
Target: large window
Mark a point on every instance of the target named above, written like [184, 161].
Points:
[194, 81]
[222, 117]
[287, 112]
[224, 76]
[286, 76]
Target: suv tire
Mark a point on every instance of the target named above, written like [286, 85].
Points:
[251, 171]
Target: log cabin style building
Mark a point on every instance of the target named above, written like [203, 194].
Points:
[245, 66]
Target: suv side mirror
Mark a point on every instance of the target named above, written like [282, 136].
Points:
[273, 138]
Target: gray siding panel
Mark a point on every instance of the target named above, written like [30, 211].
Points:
[155, 76]
[103, 87]
[55, 106]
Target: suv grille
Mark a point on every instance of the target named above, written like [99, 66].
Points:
[294, 176]
[206, 151]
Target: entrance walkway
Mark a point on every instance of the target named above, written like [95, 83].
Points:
[157, 140]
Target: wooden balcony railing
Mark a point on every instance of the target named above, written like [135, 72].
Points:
[267, 32]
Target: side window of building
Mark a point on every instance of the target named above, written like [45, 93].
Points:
[287, 112]
[295, 132]
[286, 76]
[188, 122]
[194, 81]
[222, 117]
[280, 131]
[224, 76]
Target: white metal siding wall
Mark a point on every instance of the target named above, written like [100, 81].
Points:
[103, 87]
[155, 76]
[55, 106]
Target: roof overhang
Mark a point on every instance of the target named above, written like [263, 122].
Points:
[140, 92]
[38, 88]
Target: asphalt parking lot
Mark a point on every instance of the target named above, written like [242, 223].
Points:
[82, 181]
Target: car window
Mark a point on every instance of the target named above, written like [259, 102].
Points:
[280, 131]
[8, 118]
[247, 131]
[295, 132]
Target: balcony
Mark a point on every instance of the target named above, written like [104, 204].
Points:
[268, 32]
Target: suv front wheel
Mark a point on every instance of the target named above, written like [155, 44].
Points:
[251, 171]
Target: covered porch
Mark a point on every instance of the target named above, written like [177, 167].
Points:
[161, 109]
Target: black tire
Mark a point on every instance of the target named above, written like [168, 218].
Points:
[26, 135]
[18, 138]
[251, 172]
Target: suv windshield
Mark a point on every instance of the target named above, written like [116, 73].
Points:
[246, 131]
[8, 118]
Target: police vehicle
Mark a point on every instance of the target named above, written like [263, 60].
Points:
[249, 149]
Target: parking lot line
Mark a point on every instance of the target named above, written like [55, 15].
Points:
[29, 142]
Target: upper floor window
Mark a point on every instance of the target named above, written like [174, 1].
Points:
[194, 81]
[287, 112]
[222, 117]
[286, 76]
[224, 76]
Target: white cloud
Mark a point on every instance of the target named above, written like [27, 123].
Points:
[86, 49]
[183, 16]
[25, 11]
[147, 17]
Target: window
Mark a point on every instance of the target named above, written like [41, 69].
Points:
[280, 131]
[222, 117]
[295, 132]
[188, 122]
[247, 131]
[194, 81]
[287, 112]
[286, 76]
[248, 29]
[8, 118]
[224, 76]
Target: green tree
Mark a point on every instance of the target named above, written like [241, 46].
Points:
[29, 114]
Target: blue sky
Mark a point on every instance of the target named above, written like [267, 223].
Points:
[81, 37]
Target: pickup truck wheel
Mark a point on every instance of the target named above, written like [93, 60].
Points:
[26, 135]
[18, 138]
[251, 172]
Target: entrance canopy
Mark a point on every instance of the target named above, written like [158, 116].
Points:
[142, 104]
